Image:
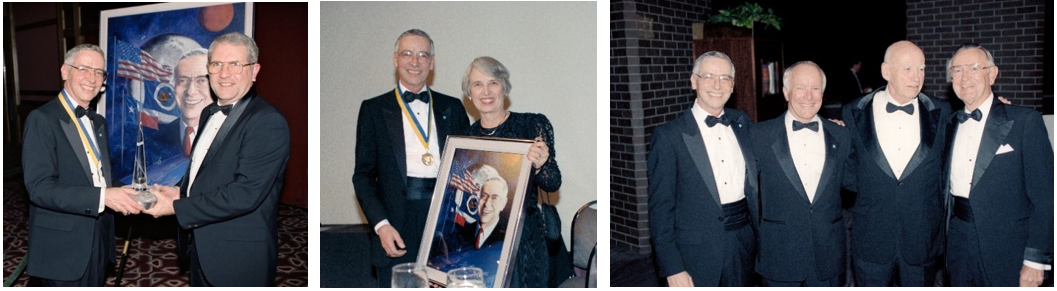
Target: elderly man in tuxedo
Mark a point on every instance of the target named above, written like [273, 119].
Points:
[897, 135]
[227, 202]
[702, 187]
[67, 174]
[399, 136]
[1000, 182]
[801, 160]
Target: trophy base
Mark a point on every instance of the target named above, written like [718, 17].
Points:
[144, 198]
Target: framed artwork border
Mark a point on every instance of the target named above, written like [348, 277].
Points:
[460, 151]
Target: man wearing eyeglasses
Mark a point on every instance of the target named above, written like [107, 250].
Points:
[702, 197]
[1000, 182]
[192, 94]
[66, 164]
[897, 132]
[399, 137]
[227, 202]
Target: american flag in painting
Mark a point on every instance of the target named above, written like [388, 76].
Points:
[466, 200]
[137, 64]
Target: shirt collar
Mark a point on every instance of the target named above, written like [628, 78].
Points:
[985, 108]
[789, 121]
[403, 89]
[700, 114]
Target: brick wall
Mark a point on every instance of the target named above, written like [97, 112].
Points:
[1013, 30]
[650, 62]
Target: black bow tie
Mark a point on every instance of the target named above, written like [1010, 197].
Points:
[408, 96]
[81, 111]
[712, 120]
[213, 108]
[909, 108]
[813, 126]
[976, 115]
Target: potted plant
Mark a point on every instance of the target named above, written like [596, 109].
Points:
[744, 16]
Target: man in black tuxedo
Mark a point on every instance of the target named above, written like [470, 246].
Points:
[801, 160]
[897, 132]
[227, 202]
[66, 164]
[399, 136]
[1000, 180]
[702, 186]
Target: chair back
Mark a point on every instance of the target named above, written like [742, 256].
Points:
[585, 234]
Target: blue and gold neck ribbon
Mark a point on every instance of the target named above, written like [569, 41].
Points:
[423, 135]
[89, 143]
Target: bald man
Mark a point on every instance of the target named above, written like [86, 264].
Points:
[897, 219]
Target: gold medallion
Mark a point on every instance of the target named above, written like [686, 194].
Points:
[427, 159]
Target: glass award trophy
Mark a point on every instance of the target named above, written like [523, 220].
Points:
[139, 175]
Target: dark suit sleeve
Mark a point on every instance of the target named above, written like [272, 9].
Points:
[1038, 181]
[365, 175]
[661, 168]
[262, 155]
[43, 142]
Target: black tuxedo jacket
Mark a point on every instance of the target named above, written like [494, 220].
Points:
[381, 166]
[684, 199]
[1012, 193]
[64, 205]
[793, 228]
[889, 208]
[233, 205]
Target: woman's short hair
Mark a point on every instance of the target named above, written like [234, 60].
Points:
[488, 66]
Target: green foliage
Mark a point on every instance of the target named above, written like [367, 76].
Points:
[747, 14]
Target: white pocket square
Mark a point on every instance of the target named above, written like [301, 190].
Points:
[1004, 149]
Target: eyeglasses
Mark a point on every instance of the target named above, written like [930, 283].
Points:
[971, 68]
[485, 197]
[85, 69]
[725, 80]
[408, 55]
[233, 67]
[183, 82]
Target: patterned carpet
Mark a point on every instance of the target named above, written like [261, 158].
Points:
[152, 259]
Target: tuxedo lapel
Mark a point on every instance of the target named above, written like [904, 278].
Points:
[104, 157]
[391, 118]
[74, 137]
[863, 115]
[995, 131]
[929, 118]
[780, 147]
[443, 126]
[696, 146]
[830, 165]
[741, 131]
[225, 128]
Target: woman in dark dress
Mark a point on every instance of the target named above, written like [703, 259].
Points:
[487, 84]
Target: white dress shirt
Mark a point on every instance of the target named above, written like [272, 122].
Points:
[965, 149]
[413, 147]
[808, 149]
[898, 133]
[96, 169]
[209, 133]
[724, 154]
